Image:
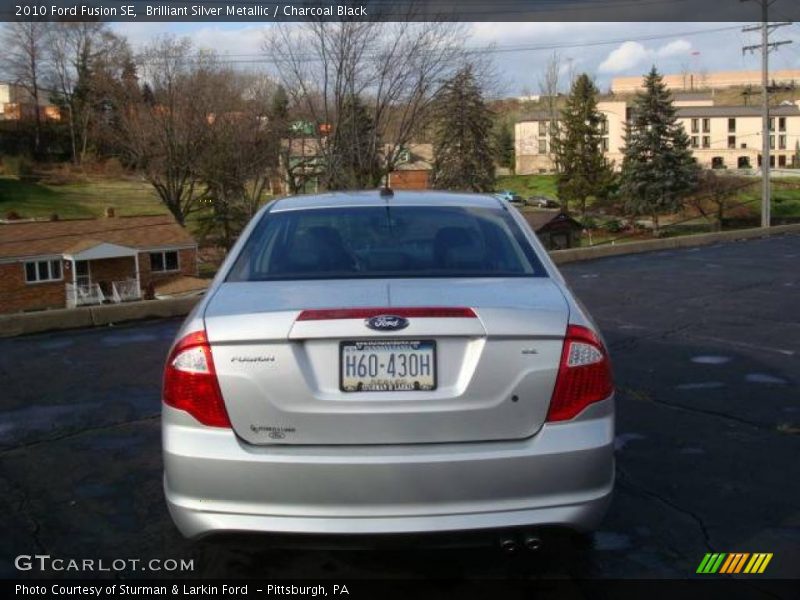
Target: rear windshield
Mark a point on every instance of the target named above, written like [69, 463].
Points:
[386, 242]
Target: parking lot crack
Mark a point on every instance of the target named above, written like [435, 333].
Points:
[626, 481]
[24, 509]
[76, 433]
[648, 397]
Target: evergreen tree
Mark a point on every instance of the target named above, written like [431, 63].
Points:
[463, 156]
[504, 146]
[353, 164]
[584, 171]
[279, 106]
[658, 169]
[148, 97]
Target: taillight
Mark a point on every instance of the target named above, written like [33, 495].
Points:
[190, 381]
[584, 375]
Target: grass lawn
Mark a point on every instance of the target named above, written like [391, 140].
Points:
[785, 197]
[28, 199]
[529, 185]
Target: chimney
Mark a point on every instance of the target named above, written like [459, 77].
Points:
[109, 212]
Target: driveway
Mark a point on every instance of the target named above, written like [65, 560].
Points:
[706, 349]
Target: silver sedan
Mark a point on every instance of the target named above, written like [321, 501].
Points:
[370, 363]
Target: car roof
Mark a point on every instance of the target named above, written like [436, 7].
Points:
[374, 198]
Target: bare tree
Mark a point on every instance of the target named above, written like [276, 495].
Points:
[202, 136]
[549, 89]
[166, 135]
[24, 62]
[76, 51]
[717, 195]
[392, 70]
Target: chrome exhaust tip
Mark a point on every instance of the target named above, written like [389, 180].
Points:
[533, 542]
[509, 545]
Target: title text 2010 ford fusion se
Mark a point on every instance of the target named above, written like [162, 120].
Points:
[370, 363]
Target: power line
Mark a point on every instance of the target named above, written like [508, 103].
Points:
[255, 58]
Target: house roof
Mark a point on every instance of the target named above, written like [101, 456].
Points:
[179, 285]
[420, 157]
[736, 111]
[541, 218]
[688, 96]
[42, 238]
[704, 111]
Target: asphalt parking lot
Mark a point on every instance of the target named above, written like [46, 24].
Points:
[706, 349]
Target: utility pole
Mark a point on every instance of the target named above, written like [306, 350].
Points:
[765, 46]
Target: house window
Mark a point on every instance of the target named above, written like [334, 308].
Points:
[782, 124]
[731, 125]
[542, 146]
[604, 144]
[164, 261]
[731, 141]
[706, 141]
[772, 124]
[42, 270]
[603, 126]
[706, 125]
[772, 142]
[695, 125]
[781, 142]
[782, 160]
[695, 143]
[542, 128]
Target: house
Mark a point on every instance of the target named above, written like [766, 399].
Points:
[556, 230]
[412, 168]
[69, 263]
[721, 137]
[17, 104]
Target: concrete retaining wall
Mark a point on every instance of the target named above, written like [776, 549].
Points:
[90, 316]
[561, 257]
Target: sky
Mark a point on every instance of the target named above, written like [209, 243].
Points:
[603, 50]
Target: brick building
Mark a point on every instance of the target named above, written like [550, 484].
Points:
[58, 264]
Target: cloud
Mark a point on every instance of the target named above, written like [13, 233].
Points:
[630, 55]
[676, 48]
[627, 56]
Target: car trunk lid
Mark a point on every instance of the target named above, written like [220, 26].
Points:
[282, 382]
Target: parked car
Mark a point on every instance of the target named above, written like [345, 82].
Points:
[404, 362]
[510, 196]
[542, 202]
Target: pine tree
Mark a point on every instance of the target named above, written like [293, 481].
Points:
[148, 97]
[463, 156]
[504, 146]
[354, 165]
[584, 171]
[658, 169]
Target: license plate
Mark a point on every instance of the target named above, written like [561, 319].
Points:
[387, 366]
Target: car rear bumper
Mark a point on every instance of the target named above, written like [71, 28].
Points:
[215, 483]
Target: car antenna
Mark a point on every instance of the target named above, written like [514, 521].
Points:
[386, 191]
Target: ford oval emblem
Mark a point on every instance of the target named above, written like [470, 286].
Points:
[386, 323]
